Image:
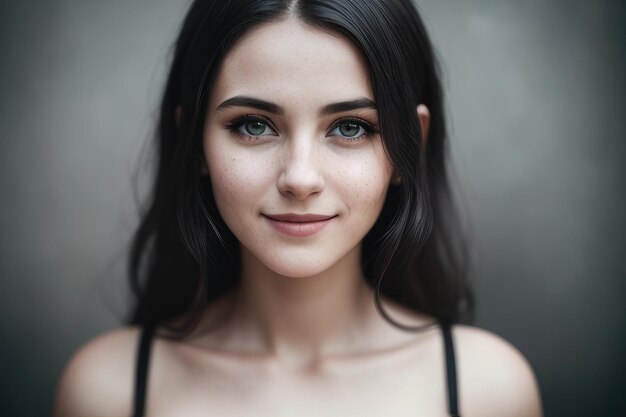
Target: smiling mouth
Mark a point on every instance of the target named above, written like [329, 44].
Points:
[298, 225]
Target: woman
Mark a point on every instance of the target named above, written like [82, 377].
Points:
[298, 255]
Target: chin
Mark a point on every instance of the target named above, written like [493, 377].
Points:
[297, 271]
[296, 267]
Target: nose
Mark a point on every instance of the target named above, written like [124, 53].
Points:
[301, 174]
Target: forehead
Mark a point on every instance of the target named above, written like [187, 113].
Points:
[290, 62]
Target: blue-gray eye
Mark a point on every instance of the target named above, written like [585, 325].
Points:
[350, 129]
[255, 128]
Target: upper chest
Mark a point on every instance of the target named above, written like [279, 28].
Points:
[407, 382]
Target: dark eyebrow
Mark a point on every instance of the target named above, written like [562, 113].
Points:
[243, 101]
[360, 103]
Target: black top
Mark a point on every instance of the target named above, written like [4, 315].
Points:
[143, 361]
[141, 371]
[453, 407]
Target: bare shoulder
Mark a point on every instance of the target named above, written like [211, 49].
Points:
[98, 379]
[495, 379]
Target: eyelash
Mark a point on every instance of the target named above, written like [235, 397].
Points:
[236, 126]
[368, 128]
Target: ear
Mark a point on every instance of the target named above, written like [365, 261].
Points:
[423, 114]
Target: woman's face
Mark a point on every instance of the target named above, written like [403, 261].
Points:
[291, 141]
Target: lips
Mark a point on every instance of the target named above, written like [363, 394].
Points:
[298, 218]
[298, 225]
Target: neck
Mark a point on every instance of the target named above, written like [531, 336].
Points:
[300, 319]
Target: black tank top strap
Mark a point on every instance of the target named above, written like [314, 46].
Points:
[451, 379]
[143, 362]
[141, 371]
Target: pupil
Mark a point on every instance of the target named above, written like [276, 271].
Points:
[349, 129]
[255, 128]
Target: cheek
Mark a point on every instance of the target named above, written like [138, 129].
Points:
[237, 178]
[364, 199]
[366, 180]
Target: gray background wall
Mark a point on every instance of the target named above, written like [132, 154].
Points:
[536, 95]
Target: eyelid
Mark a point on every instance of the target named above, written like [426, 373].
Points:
[370, 128]
[254, 118]
[246, 118]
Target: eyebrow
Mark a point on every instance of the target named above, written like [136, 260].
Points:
[244, 101]
[342, 106]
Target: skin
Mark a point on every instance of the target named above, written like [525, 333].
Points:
[300, 336]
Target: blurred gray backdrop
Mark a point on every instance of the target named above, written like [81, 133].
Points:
[536, 93]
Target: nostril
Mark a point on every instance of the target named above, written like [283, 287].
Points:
[300, 184]
[301, 174]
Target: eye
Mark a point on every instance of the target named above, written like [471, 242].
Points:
[255, 128]
[352, 129]
[252, 127]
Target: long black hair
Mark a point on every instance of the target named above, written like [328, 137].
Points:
[183, 255]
